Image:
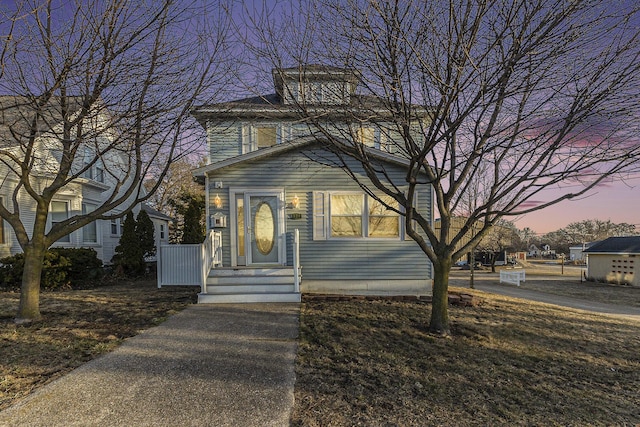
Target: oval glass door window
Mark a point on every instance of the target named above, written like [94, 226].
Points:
[265, 230]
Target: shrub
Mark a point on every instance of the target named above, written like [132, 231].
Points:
[85, 264]
[56, 269]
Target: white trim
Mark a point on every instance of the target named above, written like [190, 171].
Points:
[246, 194]
[325, 196]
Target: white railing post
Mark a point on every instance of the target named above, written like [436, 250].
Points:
[296, 260]
[159, 265]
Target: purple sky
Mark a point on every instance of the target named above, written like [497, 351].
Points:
[615, 201]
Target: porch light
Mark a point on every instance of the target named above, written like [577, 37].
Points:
[295, 202]
[217, 202]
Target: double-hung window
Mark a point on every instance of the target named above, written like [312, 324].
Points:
[256, 136]
[89, 231]
[115, 227]
[60, 212]
[354, 215]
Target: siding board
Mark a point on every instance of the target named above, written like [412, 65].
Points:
[332, 259]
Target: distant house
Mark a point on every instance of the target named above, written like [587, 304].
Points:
[270, 177]
[615, 260]
[543, 252]
[576, 253]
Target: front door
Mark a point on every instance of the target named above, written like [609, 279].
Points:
[259, 226]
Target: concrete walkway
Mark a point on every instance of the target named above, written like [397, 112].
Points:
[223, 365]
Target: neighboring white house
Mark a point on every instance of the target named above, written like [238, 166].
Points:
[82, 195]
[576, 253]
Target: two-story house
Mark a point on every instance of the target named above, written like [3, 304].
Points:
[270, 174]
[95, 183]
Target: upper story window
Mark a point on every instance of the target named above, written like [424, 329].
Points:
[366, 135]
[259, 136]
[94, 167]
[266, 136]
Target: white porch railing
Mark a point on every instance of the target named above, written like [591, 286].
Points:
[296, 260]
[189, 264]
[512, 276]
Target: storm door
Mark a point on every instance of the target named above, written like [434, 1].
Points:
[259, 227]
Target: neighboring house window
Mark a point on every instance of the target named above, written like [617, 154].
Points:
[353, 215]
[89, 231]
[162, 231]
[59, 213]
[115, 227]
[99, 175]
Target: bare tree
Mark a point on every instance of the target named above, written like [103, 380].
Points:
[97, 92]
[501, 237]
[539, 98]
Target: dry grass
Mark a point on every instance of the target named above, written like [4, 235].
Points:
[548, 279]
[77, 326]
[372, 363]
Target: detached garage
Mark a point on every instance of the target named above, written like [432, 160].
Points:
[615, 260]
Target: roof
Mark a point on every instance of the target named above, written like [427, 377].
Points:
[269, 107]
[277, 149]
[153, 213]
[17, 113]
[616, 245]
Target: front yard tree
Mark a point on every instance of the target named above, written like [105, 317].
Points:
[96, 91]
[539, 97]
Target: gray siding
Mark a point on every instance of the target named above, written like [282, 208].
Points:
[333, 259]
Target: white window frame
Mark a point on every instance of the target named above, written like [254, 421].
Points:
[322, 218]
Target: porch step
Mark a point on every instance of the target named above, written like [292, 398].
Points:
[244, 298]
[249, 285]
[261, 288]
[250, 276]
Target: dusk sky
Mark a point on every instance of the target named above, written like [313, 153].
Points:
[615, 201]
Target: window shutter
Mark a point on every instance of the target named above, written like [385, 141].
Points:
[320, 220]
[245, 135]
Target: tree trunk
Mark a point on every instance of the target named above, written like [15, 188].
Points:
[29, 308]
[439, 323]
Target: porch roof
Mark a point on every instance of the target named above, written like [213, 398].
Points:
[291, 146]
